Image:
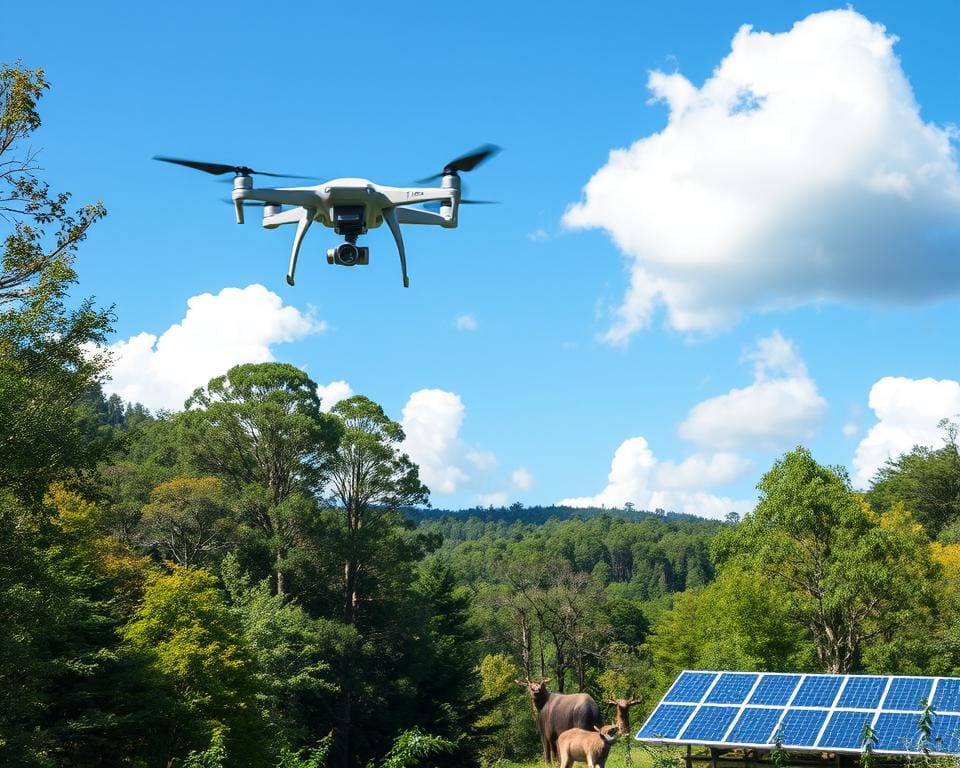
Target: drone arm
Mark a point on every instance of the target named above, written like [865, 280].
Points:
[390, 216]
[415, 195]
[291, 216]
[306, 219]
[418, 216]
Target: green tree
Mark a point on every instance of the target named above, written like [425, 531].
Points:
[370, 479]
[293, 651]
[260, 429]
[195, 643]
[742, 620]
[852, 574]
[187, 520]
[48, 357]
[509, 712]
[925, 480]
[69, 692]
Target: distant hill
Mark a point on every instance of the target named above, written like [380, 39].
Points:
[537, 515]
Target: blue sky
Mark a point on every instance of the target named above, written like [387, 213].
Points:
[771, 261]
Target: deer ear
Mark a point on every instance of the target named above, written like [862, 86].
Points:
[545, 681]
[520, 682]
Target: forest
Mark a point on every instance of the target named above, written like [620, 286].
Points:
[256, 581]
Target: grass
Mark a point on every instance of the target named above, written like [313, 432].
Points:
[617, 759]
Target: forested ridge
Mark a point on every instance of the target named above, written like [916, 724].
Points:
[256, 581]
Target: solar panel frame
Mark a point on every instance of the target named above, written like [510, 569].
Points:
[834, 725]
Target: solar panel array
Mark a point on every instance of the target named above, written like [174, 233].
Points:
[822, 713]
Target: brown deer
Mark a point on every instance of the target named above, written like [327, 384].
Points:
[558, 712]
[623, 719]
[590, 747]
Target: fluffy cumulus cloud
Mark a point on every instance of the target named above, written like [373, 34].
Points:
[781, 406]
[637, 476]
[907, 411]
[237, 325]
[332, 393]
[431, 420]
[522, 479]
[800, 171]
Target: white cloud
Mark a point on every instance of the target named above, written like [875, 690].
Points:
[700, 471]
[538, 235]
[466, 323]
[781, 407]
[493, 499]
[238, 325]
[637, 476]
[908, 411]
[431, 421]
[522, 479]
[801, 171]
[332, 393]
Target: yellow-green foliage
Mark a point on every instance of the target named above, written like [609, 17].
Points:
[511, 717]
[195, 642]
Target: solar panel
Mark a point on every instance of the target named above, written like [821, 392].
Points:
[666, 722]
[775, 689]
[690, 686]
[946, 695]
[801, 726]
[908, 693]
[710, 723]
[755, 726]
[844, 730]
[862, 692]
[731, 688]
[945, 734]
[818, 691]
[897, 731]
[815, 713]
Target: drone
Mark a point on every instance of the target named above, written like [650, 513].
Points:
[349, 206]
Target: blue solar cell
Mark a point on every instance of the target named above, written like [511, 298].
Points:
[709, 724]
[800, 727]
[906, 693]
[666, 721]
[947, 696]
[755, 726]
[945, 733]
[731, 688]
[897, 731]
[862, 692]
[774, 689]
[818, 691]
[844, 730]
[690, 686]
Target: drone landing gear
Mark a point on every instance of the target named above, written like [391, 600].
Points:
[306, 219]
[390, 216]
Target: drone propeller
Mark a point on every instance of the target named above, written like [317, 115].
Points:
[465, 162]
[218, 169]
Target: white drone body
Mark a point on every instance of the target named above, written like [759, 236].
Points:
[349, 206]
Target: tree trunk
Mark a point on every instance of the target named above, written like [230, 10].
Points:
[350, 592]
[281, 586]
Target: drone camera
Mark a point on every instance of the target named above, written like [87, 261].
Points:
[349, 255]
[350, 220]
